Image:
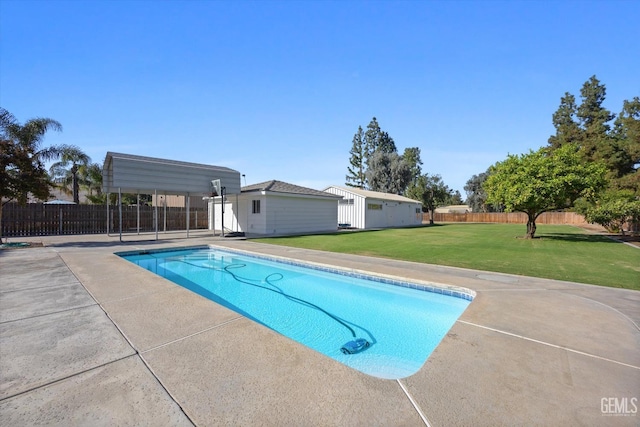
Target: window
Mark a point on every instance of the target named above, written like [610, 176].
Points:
[255, 206]
[345, 201]
[374, 206]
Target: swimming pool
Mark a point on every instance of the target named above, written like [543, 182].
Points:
[382, 327]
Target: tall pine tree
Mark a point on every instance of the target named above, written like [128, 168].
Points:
[567, 129]
[356, 169]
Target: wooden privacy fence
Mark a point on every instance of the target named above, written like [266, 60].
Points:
[570, 218]
[38, 219]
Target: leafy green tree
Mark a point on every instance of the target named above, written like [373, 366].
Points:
[613, 210]
[431, 191]
[72, 158]
[541, 181]
[356, 169]
[22, 170]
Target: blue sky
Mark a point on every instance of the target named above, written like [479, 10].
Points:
[277, 89]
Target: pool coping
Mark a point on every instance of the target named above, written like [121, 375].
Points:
[437, 288]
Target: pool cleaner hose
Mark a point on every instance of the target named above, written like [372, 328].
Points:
[351, 347]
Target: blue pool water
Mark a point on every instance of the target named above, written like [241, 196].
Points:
[320, 309]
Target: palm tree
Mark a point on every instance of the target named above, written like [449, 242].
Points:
[72, 158]
[92, 179]
[21, 158]
[29, 136]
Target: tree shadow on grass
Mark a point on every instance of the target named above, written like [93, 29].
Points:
[570, 237]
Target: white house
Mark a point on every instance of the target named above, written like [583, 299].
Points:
[275, 208]
[371, 209]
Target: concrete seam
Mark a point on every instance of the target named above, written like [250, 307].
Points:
[69, 376]
[551, 345]
[49, 313]
[612, 308]
[40, 287]
[414, 404]
[137, 353]
[192, 335]
[572, 294]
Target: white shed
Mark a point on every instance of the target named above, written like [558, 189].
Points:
[276, 208]
[371, 209]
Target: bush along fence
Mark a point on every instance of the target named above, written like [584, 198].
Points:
[561, 218]
[39, 219]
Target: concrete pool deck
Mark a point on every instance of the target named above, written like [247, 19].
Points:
[87, 338]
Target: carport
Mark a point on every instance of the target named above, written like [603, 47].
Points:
[128, 173]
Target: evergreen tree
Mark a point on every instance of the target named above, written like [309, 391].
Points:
[371, 139]
[386, 144]
[476, 196]
[378, 140]
[626, 132]
[567, 129]
[594, 118]
[455, 198]
[388, 173]
[376, 165]
[412, 157]
[356, 171]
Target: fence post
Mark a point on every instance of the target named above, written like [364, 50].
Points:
[188, 212]
[155, 213]
[120, 210]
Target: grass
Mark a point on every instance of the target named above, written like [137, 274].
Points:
[559, 252]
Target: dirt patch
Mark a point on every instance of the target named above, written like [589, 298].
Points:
[20, 245]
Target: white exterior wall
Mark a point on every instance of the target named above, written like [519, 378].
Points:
[352, 214]
[254, 223]
[294, 215]
[233, 216]
[393, 213]
[375, 218]
[279, 214]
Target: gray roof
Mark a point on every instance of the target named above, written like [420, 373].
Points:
[157, 160]
[140, 174]
[275, 186]
[375, 194]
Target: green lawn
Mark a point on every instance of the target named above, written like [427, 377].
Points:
[558, 252]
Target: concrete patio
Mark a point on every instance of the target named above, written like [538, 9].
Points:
[87, 338]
